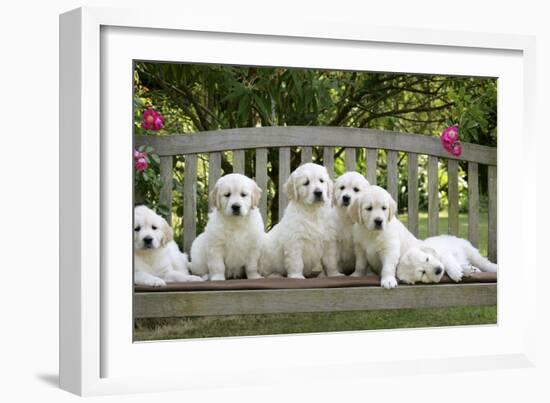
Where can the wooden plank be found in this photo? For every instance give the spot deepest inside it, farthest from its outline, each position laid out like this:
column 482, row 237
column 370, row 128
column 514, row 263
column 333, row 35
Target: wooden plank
column 492, row 193
column 328, row 160
column 433, row 196
column 238, row 161
column 372, row 161
column 297, row 136
column 350, row 159
column 205, row 303
column 284, row 173
column 452, row 196
column 473, row 203
column 189, row 201
column 261, row 180
column 392, row 173
column 214, row 172
column 166, row 180
column 412, row 184
column 306, row 154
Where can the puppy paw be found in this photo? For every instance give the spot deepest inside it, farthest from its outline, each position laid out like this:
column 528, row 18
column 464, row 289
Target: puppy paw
column 194, row 278
column 254, row 276
column 298, row 276
column 217, row 277
column 336, row 274
column 155, row 282
column 388, row 282
column 357, row 274
column 455, row 275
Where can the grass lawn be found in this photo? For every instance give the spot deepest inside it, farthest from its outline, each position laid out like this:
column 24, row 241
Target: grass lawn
column 247, row 325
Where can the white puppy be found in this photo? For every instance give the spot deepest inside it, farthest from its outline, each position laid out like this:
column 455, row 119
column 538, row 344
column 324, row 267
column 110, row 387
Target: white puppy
column 347, row 188
column 157, row 259
column 379, row 238
column 230, row 245
column 303, row 241
column 457, row 256
column 420, row 264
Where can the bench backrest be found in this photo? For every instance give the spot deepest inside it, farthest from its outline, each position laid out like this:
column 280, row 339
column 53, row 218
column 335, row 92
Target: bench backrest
column 261, row 139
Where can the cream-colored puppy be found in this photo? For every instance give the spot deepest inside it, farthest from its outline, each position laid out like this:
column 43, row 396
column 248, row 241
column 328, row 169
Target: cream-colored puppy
column 157, row 259
column 458, row 258
column 347, row 188
column 379, row 237
column 230, row 245
column 303, row 240
column 420, row 264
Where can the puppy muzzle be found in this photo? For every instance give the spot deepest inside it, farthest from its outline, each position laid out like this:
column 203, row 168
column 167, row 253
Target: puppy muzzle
column 318, row 194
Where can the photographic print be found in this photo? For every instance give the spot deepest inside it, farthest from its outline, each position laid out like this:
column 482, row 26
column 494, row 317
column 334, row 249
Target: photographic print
column 275, row 200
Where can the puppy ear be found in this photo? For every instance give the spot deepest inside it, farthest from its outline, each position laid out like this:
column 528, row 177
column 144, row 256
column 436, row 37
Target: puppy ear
column 392, row 210
column 290, row 188
column 213, row 197
column 256, row 195
column 167, row 233
column 354, row 212
column 429, row 250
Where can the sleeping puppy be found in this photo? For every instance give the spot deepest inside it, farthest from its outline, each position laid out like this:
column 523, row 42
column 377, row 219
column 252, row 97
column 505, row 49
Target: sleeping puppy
column 157, row 259
column 420, row 264
column 379, row 238
column 347, row 188
column 303, row 241
column 230, row 245
column 457, row 257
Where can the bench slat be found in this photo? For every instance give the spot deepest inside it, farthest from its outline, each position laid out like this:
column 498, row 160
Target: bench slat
column 166, row 180
column 214, row 172
column 473, row 203
column 284, row 173
column 261, row 180
column 392, row 173
column 433, row 196
column 297, row 136
column 328, row 160
column 206, row 303
column 412, row 184
column 492, row 193
column 306, row 154
column 350, row 159
column 452, row 196
column 189, row 201
column 372, row 160
column 238, row 161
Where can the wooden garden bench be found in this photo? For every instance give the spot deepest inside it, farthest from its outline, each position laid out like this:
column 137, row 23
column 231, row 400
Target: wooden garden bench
column 321, row 294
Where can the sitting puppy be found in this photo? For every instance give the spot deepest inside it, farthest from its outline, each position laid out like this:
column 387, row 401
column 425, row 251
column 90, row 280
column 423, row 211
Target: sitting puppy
column 157, row 259
column 300, row 244
column 457, row 256
column 379, row 238
column 230, row 245
column 347, row 188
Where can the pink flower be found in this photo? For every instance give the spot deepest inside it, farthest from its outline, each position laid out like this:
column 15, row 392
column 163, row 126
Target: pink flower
column 141, row 164
column 449, row 141
column 138, row 155
column 152, row 120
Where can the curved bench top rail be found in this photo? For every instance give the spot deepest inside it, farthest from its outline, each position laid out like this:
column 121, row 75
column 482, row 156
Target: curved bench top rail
column 289, row 136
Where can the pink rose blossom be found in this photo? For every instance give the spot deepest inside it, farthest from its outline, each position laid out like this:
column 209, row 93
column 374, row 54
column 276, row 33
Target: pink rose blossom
column 152, row 120
column 141, row 164
column 449, row 141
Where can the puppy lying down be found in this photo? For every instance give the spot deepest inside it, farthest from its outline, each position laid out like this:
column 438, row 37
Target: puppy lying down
column 157, row 258
column 455, row 256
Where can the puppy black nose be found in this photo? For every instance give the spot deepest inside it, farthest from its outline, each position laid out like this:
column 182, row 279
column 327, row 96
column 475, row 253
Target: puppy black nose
column 438, row 271
column 147, row 240
column 346, row 199
column 318, row 193
column 378, row 222
column 236, row 208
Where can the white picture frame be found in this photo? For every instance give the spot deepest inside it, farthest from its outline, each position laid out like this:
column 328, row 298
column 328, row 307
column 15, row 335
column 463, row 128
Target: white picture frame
column 96, row 355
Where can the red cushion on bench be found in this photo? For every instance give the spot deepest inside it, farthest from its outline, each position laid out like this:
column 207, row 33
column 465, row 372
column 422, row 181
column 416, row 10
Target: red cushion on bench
column 288, row 283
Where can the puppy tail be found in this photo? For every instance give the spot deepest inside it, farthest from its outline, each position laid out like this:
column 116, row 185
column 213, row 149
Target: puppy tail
column 479, row 261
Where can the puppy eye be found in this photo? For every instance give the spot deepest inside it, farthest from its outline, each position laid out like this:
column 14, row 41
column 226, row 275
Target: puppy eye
column 355, row 190
column 307, row 183
column 154, row 227
column 227, row 194
column 137, row 228
column 243, row 194
column 384, row 208
column 369, row 208
column 342, row 187
column 427, row 259
column 321, row 180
